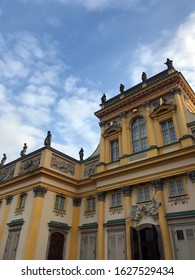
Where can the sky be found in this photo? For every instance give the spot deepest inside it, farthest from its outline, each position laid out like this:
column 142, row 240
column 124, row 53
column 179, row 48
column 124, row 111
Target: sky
column 58, row 57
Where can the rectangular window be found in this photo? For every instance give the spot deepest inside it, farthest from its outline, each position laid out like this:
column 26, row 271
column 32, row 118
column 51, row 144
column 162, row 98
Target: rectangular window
column 60, row 203
column 116, row 246
column 116, row 199
column 22, row 200
column 143, row 194
column 90, row 204
column 168, row 132
column 114, row 149
column 176, row 188
column 88, row 246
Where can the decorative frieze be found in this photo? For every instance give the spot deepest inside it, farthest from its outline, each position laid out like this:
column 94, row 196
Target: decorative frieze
column 143, row 210
column 30, row 164
column 90, row 168
column 62, row 165
column 101, row 196
column 7, row 173
column 39, row 191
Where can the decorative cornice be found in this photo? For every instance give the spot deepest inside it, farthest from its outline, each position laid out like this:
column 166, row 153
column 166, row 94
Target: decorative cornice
column 39, row 191
column 76, row 201
column 101, row 196
column 158, row 184
column 127, row 190
column 139, row 96
column 191, row 175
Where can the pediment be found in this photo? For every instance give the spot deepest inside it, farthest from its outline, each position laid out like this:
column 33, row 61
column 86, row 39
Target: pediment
column 111, row 130
column 162, row 110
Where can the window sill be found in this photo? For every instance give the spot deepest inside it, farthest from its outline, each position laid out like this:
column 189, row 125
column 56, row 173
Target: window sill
column 116, row 210
column 179, row 199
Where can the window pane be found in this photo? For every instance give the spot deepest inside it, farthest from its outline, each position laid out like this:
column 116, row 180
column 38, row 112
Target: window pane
column 139, row 137
column 114, row 145
column 168, row 132
column 59, row 205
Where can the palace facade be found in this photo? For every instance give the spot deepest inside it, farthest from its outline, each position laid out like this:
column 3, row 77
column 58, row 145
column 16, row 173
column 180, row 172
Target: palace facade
column 133, row 198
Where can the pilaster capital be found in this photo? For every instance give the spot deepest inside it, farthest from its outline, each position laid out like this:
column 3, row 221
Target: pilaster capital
column 9, row 199
column 76, row 201
column 191, row 175
column 123, row 115
column 158, row 184
column 39, row 191
column 101, row 196
column 127, row 190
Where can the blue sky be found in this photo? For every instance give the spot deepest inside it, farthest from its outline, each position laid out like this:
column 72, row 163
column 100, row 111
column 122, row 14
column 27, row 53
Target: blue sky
column 57, row 58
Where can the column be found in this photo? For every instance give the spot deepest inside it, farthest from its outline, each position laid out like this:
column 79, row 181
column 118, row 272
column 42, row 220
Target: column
column 150, row 129
column 34, row 223
column 180, row 110
column 158, row 185
column 5, row 215
column 101, row 165
column 125, row 142
column 100, row 235
column 75, row 228
column 127, row 192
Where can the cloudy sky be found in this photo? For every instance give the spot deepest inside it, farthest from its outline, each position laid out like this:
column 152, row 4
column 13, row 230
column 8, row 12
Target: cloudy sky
column 57, row 58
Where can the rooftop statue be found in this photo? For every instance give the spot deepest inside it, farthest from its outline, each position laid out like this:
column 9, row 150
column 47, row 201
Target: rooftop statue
column 103, row 99
column 3, row 160
column 81, row 154
column 144, row 77
column 122, row 87
column 23, row 152
column 47, row 141
column 169, row 63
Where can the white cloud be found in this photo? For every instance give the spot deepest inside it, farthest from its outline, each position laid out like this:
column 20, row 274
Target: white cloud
column 179, row 48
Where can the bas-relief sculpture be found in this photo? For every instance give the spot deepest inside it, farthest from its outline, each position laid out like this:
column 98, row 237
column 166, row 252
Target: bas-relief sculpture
column 29, row 165
column 90, row 168
column 62, row 165
column 7, row 173
column 144, row 210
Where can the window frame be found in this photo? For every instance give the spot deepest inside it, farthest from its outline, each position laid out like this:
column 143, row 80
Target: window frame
column 175, row 180
column 59, row 198
column 145, row 199
column 21, row 201
column 114, row 150
column 116, row 199
column 141, row 134
column 168, row 131
column 92, row 207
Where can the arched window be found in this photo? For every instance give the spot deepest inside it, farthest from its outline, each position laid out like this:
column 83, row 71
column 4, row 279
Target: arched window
column 139, row 137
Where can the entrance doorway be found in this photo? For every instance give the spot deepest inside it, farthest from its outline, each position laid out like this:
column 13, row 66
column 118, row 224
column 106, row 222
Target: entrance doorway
column 144, row 243
column 56, row 246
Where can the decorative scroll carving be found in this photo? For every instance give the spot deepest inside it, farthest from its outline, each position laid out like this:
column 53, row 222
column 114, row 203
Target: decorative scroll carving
column 127, row 190
column 7, row 173
column 101, row 196
column 62, row 165
column 8, row 199
column 30, row 164
column 158, row 184
column 116, row 210
column 191, row 175
column 144, row 210
column 39, row 191
column 77, row 201
column 90, row 168
column 178, row 200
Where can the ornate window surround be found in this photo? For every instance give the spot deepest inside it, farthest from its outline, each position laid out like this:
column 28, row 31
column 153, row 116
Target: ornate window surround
column 178, row 199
